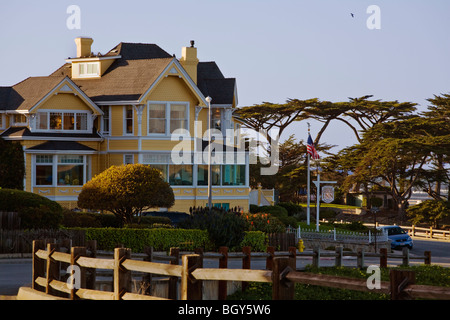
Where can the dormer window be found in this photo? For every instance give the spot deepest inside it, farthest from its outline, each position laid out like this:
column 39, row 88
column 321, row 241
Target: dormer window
column 89, row 69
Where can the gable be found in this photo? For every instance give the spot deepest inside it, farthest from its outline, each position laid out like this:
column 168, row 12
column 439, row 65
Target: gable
column 173, row 84
column 66, row 95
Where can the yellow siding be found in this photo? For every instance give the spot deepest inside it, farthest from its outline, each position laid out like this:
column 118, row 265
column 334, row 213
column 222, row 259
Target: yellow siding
column 116, row 120
column 123, row 144
column 65, row 101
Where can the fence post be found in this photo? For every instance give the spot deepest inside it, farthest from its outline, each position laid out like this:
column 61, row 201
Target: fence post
column 293, row 256
column 173, row 281
column 75, row 253
column 53, row 271
column 269, row 260
column 246, row 261
column 38, row 265
column 282, row 288
column 427, row 259
column 405, row 259
column 399, row 279
column 147, row 277
column 122, row 276
column 223, row 264
column 316, row 258
column 383, row 257
column 91, row 273
column 191, row 289
column 360, row 258
column 339, row 253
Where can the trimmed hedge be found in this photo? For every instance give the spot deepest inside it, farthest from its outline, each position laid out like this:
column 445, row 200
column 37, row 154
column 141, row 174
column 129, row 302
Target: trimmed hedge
column 162, row 239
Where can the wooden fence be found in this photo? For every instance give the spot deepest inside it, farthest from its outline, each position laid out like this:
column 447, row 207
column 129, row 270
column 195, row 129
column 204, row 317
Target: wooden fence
column 280, row 271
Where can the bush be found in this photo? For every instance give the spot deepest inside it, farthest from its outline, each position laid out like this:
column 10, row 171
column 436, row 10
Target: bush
column 280, row 213
column 161, row 239
column 264, row 222
column 292, row 208
column 106, row 220
column 257, row 240
column 224, row 228
column 35, row 211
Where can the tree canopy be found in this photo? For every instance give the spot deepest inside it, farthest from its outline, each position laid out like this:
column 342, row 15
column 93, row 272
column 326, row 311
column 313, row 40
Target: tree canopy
column 126, row 191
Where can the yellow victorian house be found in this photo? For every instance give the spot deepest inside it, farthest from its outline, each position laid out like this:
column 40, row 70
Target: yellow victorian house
column 134, row 104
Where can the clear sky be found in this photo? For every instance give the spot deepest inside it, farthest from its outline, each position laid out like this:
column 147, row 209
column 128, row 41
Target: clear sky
column 276, row 49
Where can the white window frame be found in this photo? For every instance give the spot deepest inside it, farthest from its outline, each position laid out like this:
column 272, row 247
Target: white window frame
column 125, row 158
column 54, row 165
column 106, row 133
column 168, row 118
column 62, row 111
column 19, row 123
column 85, row 66
column 125, row 120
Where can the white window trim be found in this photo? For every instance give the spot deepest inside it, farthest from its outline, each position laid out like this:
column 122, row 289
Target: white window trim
column 62, row 111
column 88, row 75
column 86, row 171
column 167, row 110
column 125, row 121
column 18, row 124
column 109, row 123
column 125, row 157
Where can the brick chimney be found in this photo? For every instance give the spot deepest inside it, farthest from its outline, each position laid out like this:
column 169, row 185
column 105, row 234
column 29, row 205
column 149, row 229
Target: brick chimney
column 189, row 60
column 83, row 47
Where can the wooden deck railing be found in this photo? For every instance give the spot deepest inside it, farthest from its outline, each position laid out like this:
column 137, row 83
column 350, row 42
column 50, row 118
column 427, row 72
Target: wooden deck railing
column 281, row 273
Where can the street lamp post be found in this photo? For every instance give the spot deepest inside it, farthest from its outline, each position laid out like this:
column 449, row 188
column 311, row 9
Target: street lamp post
column 208, row 99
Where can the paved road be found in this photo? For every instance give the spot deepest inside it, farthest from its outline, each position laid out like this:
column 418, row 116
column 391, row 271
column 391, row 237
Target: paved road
column 15, row 273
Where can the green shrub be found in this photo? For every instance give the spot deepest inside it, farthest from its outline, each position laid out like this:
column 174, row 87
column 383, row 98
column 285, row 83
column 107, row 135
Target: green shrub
column 161, row 239
column 35, row 211
column 280, row 213
column 257, row 240
column 264, row 222
column 292, row 208
column 224, row 228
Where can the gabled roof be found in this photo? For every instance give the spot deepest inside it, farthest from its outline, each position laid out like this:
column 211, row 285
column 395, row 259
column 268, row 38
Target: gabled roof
column 127, row 79
column 211, row 82
column 24, row 95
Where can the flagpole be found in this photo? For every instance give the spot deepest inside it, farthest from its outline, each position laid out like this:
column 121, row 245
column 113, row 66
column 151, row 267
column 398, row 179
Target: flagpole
column 308, row 188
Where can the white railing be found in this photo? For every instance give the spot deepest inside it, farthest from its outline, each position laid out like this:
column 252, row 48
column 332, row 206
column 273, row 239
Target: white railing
column 337, row 235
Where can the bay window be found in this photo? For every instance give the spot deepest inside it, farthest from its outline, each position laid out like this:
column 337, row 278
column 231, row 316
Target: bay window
column 60, row 170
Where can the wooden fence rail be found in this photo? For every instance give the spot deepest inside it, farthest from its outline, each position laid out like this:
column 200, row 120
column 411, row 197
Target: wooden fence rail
column 282, row 274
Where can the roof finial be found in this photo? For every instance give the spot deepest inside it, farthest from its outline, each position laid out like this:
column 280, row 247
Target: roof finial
column 192, row 43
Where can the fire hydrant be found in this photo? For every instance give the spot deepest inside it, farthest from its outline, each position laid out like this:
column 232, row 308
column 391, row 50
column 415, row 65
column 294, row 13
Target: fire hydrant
column 301, row 246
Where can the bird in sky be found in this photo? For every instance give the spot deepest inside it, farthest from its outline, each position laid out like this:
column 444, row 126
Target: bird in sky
column 352, row 15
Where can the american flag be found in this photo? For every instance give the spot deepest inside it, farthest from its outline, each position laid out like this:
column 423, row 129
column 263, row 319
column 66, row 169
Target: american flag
column 311, row 149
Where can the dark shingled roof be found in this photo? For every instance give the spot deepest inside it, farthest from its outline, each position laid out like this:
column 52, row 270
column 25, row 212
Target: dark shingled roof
column 61, row 145
column 24, row 132
column 211, row 82
column 126, row 79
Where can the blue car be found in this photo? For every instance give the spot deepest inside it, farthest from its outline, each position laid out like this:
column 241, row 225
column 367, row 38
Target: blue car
column 399, row 238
